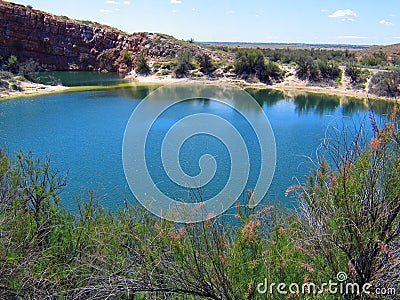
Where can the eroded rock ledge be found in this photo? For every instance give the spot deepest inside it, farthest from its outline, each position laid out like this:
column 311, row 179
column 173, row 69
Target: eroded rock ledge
column 60, row 43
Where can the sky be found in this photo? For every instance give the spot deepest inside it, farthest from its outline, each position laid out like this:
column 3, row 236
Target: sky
column 359, row 22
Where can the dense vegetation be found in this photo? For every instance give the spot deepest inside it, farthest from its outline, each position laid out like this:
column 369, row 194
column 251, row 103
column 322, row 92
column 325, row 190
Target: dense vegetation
column 292, row 56
column 141, row 65
column 358, row 76
column 386, row 84
column 348, row 222
column 252, row 63
column 26, row 68
column 319, row 66
column 184, row 63
column 377, row 72
column 206, row 64
column 318, row 71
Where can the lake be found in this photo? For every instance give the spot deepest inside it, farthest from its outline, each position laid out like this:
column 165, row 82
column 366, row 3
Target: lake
column 83, row 132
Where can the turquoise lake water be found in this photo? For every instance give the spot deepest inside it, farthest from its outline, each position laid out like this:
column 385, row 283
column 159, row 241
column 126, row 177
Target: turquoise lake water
column 82, row 133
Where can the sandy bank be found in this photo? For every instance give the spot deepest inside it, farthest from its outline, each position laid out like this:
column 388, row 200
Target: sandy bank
column 27, row 89
column 291, row 86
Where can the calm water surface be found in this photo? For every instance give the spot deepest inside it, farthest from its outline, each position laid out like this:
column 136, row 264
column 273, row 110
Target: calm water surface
column 83, row 133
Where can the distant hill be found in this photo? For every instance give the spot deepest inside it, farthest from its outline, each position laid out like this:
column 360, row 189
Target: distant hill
column 390, row 50
column 284, row 45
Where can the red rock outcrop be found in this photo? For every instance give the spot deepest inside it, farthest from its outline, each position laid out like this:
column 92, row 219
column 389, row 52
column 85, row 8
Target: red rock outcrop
column 59, row 43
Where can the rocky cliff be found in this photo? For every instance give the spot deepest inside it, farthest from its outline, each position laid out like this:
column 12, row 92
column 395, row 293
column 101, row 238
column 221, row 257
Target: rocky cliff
column 59, row 43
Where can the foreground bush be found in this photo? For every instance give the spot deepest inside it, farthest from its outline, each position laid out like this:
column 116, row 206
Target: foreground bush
column 350, row 209
column 46, row 252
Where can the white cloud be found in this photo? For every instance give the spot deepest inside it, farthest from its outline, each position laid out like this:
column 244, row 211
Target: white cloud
column 127, row 2
column 117, row 9
column 344, row 14
column 230, row 12
column 105, row 10
column 392, row 15
column 176, row 1
column 355, row 37
column 193, row 9
column 385, row 23
column 113, row 2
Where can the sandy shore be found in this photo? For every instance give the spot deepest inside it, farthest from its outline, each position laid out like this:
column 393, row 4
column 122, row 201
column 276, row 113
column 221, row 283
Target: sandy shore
column 291, row 86
column 27, row 89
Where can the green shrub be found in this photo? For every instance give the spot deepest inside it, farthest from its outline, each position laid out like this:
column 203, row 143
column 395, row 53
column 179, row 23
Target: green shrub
column 184, row 63
column 386, row 84
column 44, row 250
column 205, row 62
column 29, row 69
column 6, row 75
column 165, row 72
column 358, row 76
column 329, row 70
column 141, row 66
column 127, row 58
column 307, row 69
column 249, row 63
column 271, row 72
column 252, row 63
column 12, row 64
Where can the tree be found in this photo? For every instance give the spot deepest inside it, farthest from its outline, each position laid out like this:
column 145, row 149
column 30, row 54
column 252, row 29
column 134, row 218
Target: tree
column 206, row 64
column 329, row 70
column 249, row 63
column 127, row 58
column 271, row 72
column 12, row 64
column 141, row 66
column 350, row 208
column 307, row 69
column 184, row 63
column 357, row 76
column 252, row 63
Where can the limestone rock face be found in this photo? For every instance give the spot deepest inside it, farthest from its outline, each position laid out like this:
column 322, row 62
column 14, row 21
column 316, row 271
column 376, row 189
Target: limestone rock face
column 59, row 43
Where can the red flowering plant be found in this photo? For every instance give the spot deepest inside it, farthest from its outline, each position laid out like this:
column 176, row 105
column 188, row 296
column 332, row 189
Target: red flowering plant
column 350, row 208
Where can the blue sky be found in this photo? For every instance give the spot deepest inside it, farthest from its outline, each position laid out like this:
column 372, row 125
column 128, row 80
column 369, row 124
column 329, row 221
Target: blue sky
column 308, row 21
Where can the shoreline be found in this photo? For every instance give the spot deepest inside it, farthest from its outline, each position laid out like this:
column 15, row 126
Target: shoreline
column 30, row 89
column 290, row 88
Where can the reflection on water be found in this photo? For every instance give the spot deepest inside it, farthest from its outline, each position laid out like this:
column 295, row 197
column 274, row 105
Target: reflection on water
column 353, row 105
column 81, row 78
column 266, row 96
column 382, row 107
column 319, row 104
